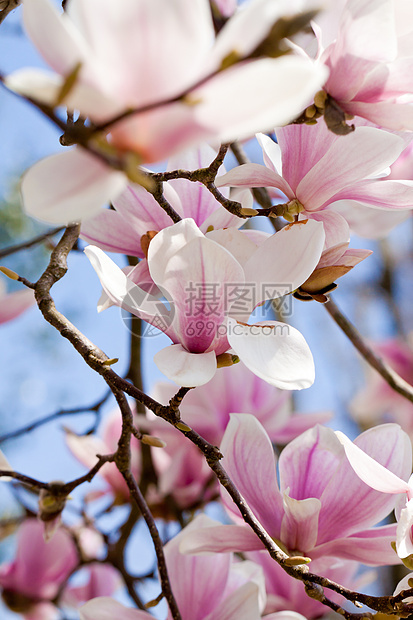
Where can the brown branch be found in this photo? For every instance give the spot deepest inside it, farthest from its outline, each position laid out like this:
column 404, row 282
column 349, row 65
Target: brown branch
column 395, row 381
column 31, row 242
column 123, row 463
column 53, row 416
column 6, row 7
column 96, row 359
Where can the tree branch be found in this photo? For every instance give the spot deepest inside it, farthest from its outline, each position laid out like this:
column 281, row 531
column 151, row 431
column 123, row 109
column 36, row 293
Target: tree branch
column 395, row 381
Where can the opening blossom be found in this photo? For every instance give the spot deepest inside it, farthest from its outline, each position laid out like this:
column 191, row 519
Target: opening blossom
column 370, row 58
column 161, row 59
column 320, row 507
column 181, row 261
column 322, row 175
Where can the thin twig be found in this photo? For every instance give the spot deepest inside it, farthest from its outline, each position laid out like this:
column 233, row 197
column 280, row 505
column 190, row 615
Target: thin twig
column 6, row 7
column 395, row 381
column 28, row 244
column 53, row 416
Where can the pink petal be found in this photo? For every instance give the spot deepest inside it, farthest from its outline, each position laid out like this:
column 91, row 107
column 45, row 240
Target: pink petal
column 240, row 605
column 184, row 368
column 69, row 187
column 250, row 462
column 299, row 527
column 254, row 175
column 167, row 41
column 236, row 242
column 14, row 304
column 122, row 291
column 221, row 539
column 365, row 152
column 381, row 194
column 198, row 581
column 389, row 114
column 112, row 233
column 371, row 547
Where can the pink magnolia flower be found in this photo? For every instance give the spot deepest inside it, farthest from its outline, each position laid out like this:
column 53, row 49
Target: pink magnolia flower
column 323, row 174
column 136, row 211
column 183, row 263
column 101, row 580
column 165, row 63
column 371, row 62
column 14, row 304
column 38, row 571
column 377, row 402
column 305, row 512
column 205, row 587
column 384, row 479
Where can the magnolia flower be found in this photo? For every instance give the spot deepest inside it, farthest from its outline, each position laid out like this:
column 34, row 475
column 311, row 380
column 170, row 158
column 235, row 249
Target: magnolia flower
column 136, row 211
column 371, row 62
column 305, row 513
column 205, row 587
column 161, row 60
column 324, row 174
column 377, row 402
column 210, row 291
column 34, row 578
column 382, row 478
column 14, row 304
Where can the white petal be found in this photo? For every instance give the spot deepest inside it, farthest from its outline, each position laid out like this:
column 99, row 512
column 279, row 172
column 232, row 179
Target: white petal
column 286, row 259
column 167, row 243
column 275, row 352
column 120, row 289
column 369, row 470
column 184, row 368
column 256, row 96
column 69, row 187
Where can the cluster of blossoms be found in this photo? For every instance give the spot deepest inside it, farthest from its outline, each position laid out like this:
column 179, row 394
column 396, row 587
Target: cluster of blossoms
column 146, row 80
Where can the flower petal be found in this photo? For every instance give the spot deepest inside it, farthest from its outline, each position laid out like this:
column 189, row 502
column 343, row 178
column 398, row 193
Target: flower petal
column 250, row 462
column 184, row 368
column 285, row 260
column 275, row 352
column 370, row 471
column 278, row 89
column 69, row 187
column 105, row 608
